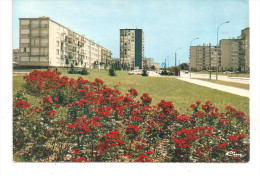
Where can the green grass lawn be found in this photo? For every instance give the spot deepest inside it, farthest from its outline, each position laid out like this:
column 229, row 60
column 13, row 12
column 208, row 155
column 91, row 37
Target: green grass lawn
column 181, row 93
column 233, row 84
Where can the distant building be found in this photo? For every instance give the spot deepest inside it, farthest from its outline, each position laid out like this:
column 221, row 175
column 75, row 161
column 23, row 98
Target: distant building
column 156, row 65
column 148, row 62
column 115, row 59
column 46, row 43
column 229, row 54
column 132, row 47
column 15, row 55
column 244, row 50
column 203, row 57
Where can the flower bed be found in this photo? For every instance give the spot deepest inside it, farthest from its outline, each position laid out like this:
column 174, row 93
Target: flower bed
column 82, row 121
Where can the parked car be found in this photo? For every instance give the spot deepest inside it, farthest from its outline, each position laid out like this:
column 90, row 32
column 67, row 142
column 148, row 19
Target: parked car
column 186, row 71
column 159, row 71
column 135, row 72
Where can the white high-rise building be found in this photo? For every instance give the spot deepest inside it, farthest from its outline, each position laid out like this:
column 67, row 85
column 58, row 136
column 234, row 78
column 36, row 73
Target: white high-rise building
column 47, row 43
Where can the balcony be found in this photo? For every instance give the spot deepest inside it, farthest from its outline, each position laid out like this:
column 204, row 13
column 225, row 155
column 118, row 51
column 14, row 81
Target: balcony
column 71, row 50
column 70, row 57
column 39, row 35
column 39, row 26
column 39, row 45
column 22, row 26
column 38, row 54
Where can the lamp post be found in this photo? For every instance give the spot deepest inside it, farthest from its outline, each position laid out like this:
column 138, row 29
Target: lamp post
column 175, row 55
column 190, row 61
column 219, row 48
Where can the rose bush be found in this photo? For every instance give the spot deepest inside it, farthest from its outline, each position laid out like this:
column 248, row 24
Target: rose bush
column 83, row 121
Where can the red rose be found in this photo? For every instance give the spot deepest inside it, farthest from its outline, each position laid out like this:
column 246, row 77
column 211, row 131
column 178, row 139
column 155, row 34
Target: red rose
column 55, row 99
column 76, row 150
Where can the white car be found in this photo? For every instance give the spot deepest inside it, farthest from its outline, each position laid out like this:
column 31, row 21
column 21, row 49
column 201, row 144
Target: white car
column 135, row 72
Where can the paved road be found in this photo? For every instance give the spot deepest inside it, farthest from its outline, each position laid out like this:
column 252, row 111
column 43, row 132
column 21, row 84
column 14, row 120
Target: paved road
column 241, row 80
column 229, row 89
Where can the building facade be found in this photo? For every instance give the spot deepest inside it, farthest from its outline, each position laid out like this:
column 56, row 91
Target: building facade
column 148, row 63
column 46, row 43
column 132, row 47
column 157, row 66
column 203, row 57
column 231, row 54
column 244, row 51
column 15, row 55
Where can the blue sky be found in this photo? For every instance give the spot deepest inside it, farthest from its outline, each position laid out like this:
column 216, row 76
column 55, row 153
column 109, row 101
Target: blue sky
column 167, row 24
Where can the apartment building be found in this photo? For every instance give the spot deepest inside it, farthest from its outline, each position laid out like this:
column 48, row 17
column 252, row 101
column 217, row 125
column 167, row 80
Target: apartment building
column 15, row 55
column 244, row 50
column 148, row 62
column 132, row 47
column 204, row 57
column 47, row 43
column 156, row 65
column 229, row 54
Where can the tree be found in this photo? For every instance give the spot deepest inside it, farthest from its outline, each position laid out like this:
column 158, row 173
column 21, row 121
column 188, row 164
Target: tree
column 153, row 67
column 67, row 63
column 184, row 66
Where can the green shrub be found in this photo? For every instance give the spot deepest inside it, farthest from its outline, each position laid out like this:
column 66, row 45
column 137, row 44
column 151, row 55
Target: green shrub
column 72, row 70
column 145, row 73
column 165, row 72
column 84, row 71
column 112, row 72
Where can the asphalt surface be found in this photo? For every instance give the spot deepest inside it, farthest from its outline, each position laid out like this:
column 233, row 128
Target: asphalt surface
column 241, row 80
column 224, row 88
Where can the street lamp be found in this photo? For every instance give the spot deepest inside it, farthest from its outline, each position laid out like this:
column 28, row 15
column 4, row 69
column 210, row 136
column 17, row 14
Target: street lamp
column 190, row 46
column 218, row 47
column 175, row 54
column 167, row 58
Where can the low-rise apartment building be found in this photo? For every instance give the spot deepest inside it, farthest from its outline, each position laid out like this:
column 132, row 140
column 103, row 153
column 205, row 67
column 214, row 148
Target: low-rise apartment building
column 47, row 43
column 148, row 63
column 156, row 65
column 15, row 55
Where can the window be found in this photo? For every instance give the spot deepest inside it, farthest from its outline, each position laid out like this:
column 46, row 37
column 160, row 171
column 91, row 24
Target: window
column 23, row 50
column 24, row 59
column 57, row 52
column 57, row 43
column 25, row 31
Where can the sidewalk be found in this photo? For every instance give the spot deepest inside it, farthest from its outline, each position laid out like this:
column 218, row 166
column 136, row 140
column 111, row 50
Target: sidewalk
column 241, row 80
column 229, row 89
column 20, row 73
